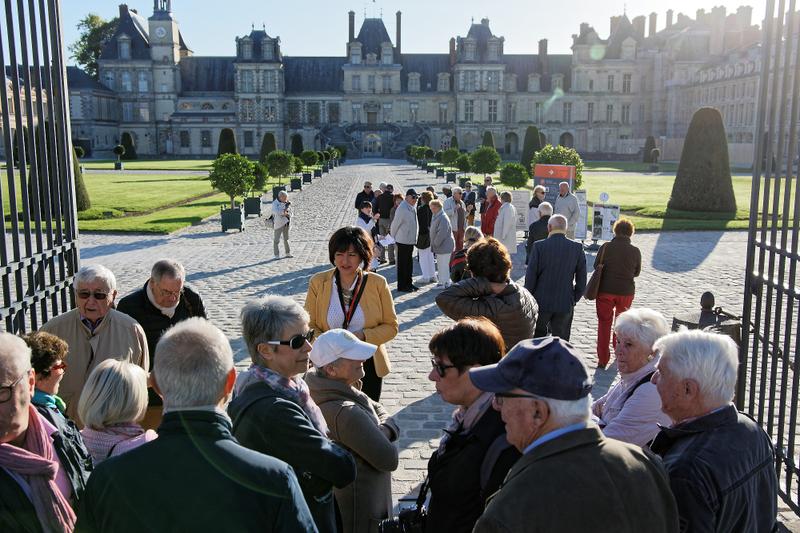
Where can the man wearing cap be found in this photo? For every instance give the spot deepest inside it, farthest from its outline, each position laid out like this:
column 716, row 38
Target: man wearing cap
column 360, row 424
column 365, row 196
column 404, row 229
column 570, row 477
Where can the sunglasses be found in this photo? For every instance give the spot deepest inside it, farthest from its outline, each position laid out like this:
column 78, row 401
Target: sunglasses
column 84, row 295
column 60, row 366
column 498, row 396
column 440, row 368
column 297, row 341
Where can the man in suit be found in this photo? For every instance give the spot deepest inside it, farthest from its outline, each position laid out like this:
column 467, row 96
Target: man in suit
column 556, row 277
column 195, row 476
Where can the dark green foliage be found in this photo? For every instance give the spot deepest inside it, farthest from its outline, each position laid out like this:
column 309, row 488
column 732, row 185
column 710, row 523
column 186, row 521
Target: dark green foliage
column 119, row 151
column 649, row 145
column 429, row 153
column 561, row 155
column 542, row 140
column 438, row 156
column 454, row 142
column 130, row 149
column 80, row 152
column 484, row 160
column 267, row 146
column 309, row 157
column 529, row 147
column 232, row 174
column 410, row 150
column 227, row 142
column 323, row 156
column 449, row 156
column 82, row 201
column 297, row 165
column 418, row 152
column 94, row 33
column 514, row 175
column 261, row 172
column 488, row 139
column 704, row 181
column 342, row 149
column 297, row 145
column 463, row 163
column 280, row 164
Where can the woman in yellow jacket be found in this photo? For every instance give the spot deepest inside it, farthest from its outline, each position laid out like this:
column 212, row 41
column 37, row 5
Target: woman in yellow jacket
column 351, row 298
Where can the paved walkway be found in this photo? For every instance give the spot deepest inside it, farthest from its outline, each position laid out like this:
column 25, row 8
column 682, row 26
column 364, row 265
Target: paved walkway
column 229, row 269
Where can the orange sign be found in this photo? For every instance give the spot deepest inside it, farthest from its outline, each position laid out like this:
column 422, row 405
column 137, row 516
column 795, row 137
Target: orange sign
column 562, row 172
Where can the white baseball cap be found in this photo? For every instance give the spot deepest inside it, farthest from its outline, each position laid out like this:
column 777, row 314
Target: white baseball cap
column 339, row 344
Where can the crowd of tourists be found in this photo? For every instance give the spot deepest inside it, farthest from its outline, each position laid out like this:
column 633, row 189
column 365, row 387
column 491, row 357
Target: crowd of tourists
column 129, row 415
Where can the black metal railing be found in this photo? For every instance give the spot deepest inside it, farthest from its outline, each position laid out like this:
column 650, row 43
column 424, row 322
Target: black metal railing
column 769, row 381
column 38, row 254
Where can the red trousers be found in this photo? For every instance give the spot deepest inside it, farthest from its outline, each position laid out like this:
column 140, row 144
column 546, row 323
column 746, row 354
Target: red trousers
column 608, row 307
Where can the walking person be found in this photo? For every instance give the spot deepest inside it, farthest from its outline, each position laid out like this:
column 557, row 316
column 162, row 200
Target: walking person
column 404, row 230
column 426, row 260
column 505, row 227
column 442, row 242
column 280, row 216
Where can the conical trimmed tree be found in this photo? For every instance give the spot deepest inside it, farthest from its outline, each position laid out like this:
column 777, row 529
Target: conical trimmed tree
column 488, row 139
column 130, row 148
column 704, row 181
column 649, row 145
column 529, row 147
column 454, row 142
column 267, row 146
column 297, row 145
column 82, row 201
column 227, row 142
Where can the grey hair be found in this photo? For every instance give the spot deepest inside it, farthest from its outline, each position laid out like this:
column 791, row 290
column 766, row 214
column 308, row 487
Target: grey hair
column 643, row 324
column 545, row 208
column 505, row 196
column 192, row 362
column 167, row 267
column 564, row 183
column 436, row 203
column 458, row 190
column 282, row 194
column 266, row 319
column 90, row 273
column 472, row 233
column 491, row 189
column 115, row 393
column 558, row 222
column 539, row 188
column 710, row 359
column 567, row 412
column 15, row 354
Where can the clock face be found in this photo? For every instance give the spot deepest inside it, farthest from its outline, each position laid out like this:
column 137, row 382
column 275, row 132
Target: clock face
column 160, row 32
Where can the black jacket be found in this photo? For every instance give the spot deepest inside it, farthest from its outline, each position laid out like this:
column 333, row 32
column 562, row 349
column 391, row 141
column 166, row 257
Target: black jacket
column 266, row 421
column 193, row 477
column 16, row 509
column 364, row 197
column 457, row 497
column 536, row 232
column 553, row 265
column 722, row 472
column 385, row 205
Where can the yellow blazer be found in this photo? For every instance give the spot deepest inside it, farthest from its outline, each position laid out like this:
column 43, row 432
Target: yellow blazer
column 380, row 320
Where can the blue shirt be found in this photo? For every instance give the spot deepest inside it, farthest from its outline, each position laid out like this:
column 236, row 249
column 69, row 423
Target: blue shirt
column 554, row 435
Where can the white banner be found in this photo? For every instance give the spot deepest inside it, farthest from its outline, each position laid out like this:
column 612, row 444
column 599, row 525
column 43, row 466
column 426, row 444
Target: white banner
column 520, row 201
column 580, row 229
column 603, row 221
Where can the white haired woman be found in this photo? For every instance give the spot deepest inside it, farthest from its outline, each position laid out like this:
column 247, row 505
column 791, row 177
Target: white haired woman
column 111, row 405
column 631, row 409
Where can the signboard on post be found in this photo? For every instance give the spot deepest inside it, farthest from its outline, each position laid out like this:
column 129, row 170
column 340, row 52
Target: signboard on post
column 520, row 201
column 603, row 221
column 549, row 176
column 580, row 229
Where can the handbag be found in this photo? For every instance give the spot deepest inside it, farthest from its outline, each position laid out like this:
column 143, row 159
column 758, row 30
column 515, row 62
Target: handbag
column 593, row 287
column 410, row 520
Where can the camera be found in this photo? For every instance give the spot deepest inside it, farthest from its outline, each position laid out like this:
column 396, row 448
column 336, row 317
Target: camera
column 288, row 204
column 409, row 521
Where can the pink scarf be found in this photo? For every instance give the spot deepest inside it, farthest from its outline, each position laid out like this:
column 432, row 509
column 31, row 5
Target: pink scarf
column 37, row 464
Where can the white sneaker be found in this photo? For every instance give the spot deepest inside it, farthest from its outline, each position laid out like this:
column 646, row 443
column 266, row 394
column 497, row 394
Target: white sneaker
column 289, row 255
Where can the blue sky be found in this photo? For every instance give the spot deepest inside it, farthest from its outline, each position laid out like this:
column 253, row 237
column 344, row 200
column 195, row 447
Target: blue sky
column 320, row 27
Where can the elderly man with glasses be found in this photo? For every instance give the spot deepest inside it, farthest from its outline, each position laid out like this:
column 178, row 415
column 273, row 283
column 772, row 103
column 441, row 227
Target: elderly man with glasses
column 94, row 332
column 163, row 301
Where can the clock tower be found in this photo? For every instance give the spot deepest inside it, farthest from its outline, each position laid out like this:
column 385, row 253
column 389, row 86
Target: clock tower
column 165, row 51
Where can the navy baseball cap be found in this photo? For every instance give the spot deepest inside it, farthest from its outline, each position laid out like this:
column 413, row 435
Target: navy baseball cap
column 412, row 193
column 548, row 366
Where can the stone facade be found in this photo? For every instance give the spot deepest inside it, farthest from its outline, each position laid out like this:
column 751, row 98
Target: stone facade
column 604, row 98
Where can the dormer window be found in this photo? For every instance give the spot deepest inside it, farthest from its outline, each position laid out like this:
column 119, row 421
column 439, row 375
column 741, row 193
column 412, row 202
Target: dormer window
column 246, row 48
column 372, row 59
column 413, row 82
column 355, row 53
column 387, row 54
column 443, row 82
column 534, row 83
column 124, row 44
column 267, row 48
column 494, row 49
column 469, row 51
column 558, row 82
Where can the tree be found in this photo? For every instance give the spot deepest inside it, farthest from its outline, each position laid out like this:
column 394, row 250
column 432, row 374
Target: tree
column 119, row 151
column 429, row 153
column 267, row 146
column 703, row 182
column 82, row 200
column 94, row 33
column 410, row 150
column 309, row 158
column 485, row 160
column 418, row 152
column 649, row 145
column 297, row 145
column 529, row 147
column 232, row 174
column 449, row 156
column 280, row 164
column 297, row 165
column 488, row 139
column 438, row 156
column 463, row 163
column 342, row 149
column 514, row 175
column 227, row 142
column 130, row 148
column 261, row 172
column 561, row 155
column 454, row 142
column 79, row 151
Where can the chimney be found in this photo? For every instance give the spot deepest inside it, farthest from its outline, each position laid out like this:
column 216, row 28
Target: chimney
column 745, row 16
column 452, row 51
column 397, row 40
column 351, row 32
column 543, row 56
column 653, row 22
column 638, row 26
column 123, row 10
column 669, row 18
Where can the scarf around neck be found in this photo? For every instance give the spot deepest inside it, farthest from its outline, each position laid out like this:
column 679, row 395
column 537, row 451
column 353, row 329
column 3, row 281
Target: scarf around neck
column 366, row 218
column 294, row 388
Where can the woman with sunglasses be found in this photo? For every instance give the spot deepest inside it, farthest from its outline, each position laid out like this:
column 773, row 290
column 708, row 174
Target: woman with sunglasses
column 349, row 297
column 273, row 412
column 473, row 456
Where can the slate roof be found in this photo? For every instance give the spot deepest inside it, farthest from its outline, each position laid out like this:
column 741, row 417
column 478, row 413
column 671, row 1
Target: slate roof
column 371, row 36
column 614, row 44
column 313, row 74
column 78, row 79
column 525, row 64
column 207, row 74
column 134, row 26
column 257, row 37
column 428, row 65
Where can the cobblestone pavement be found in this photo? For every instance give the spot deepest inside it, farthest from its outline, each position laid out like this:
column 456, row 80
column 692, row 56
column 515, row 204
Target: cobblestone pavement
column 229, row 269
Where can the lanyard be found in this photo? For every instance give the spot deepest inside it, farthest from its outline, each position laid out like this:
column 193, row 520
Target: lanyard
column 351, row 309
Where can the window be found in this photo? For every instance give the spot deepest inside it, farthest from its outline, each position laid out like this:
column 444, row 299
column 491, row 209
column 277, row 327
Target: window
column 387, row 83
column 124, row 49
column 108, row 80
column 163, row 87
column 537, row 112
column 247, row 50
column 333, row 112
column 186, row 139
column 611, row 83
column 357, row 83
column 626, row 83
column 371, row 83
column 492, row 110
column 609, row 113
column 558, row 83
column 493, row 81
column 248, row 139
column 443, row 113
column 470, row 81
column 470, row 51
column 357, row 113
column 626, row 114
column 387, row 112
column 248, row 111
column 591, row 85
column 293, row 112
column 355, row 57
column 443, row 83
column 205, row 138
column 469, row 110
column 313, row 111
column 143, row 112
column 413, row 108
column 413, row 82
column 271, row 81
column 511, row 112
column 126, row 81
column 270, row 112
column 127, row 111
column 143, row 82
column 246, row 82
column 566, row 113
column 590, row 113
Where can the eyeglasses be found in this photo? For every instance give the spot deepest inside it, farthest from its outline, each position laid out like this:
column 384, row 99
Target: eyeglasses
column 60, row 366
column 84, row 295
column 7, row 390
column 297, row 341
column 174, row 294
column 498, row 396
column 440, row 368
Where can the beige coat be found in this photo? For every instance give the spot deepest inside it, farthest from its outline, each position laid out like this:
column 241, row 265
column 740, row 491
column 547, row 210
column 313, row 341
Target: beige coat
column 354, row 421
column 117, row 337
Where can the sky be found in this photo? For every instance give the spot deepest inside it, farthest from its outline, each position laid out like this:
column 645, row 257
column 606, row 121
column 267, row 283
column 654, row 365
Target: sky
column 319, row 27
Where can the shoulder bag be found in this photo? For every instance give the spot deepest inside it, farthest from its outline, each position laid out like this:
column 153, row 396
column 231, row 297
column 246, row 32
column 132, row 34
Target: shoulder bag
column 593, row 287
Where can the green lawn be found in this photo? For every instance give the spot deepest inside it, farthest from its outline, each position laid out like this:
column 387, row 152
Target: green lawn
column 626, row 166
column 150, row 164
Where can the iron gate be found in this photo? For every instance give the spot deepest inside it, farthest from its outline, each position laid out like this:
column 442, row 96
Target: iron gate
column 39, row 252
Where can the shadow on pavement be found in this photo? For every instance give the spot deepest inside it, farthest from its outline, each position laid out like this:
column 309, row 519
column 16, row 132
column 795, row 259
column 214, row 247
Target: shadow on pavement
column 91, row 252
column 672, row 255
